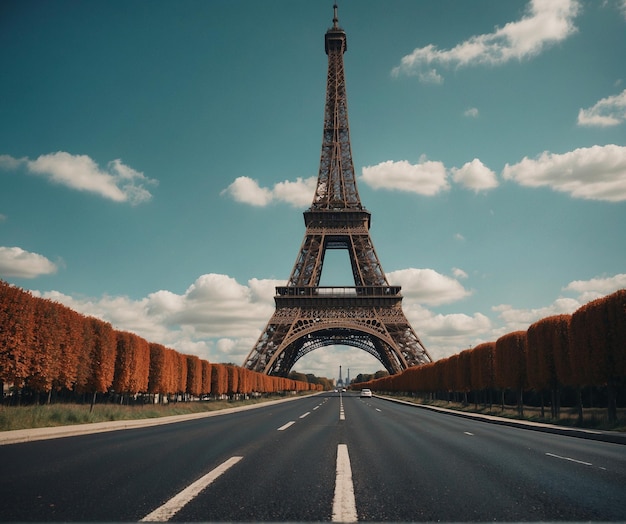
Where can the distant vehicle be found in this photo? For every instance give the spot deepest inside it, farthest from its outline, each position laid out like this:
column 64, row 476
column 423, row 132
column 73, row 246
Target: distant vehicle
column 366, row 393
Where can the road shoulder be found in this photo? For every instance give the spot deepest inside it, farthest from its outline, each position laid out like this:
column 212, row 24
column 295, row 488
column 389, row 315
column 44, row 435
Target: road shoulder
column 615, row 437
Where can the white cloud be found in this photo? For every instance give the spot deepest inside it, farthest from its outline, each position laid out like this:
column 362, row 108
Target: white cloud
column 594, row 173
column 248, row 191
column 298, row 194
column 8, row 163
column 430, row 77
column 547, row 22
column 425, row 178
column 459, row 273
column 212, row 309
column 475, row 175
column 458, row 325
column 520, row 319
column 596, row 287
column 445, row 335
column 426, row 286
column 15, row 262
column 609, row 111
column 586, row 291
column 118, row 182
column 472, row 112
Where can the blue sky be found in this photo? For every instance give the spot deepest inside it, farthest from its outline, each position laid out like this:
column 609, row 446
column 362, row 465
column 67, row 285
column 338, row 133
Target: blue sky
column 156, row 158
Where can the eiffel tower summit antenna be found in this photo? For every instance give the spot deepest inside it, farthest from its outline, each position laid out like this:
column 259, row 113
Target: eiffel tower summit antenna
column 368, row 314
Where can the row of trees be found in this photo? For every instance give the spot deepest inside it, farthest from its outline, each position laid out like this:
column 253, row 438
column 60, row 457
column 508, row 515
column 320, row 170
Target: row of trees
column 325, row 383
column 587, row 348
column 46, row 347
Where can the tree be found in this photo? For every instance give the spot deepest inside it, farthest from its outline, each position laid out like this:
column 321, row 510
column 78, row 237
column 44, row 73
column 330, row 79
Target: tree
column 540, row 364
column 158, row 380
column 71, row 348
column 294, row 375
column 121, row 378
column 482, row 362
column 132, row 364
column 245, row 381
column 45, row 359
column 598, row 336
column 206, row 377
column 464, row 373
column 510, row 365
column 97, row 365
column 16, row 336
column 219, row 380
column 233, row 380
column 194, row 375
column 180, row 377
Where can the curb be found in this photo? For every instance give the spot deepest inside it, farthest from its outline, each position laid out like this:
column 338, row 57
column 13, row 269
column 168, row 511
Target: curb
column 18, row 436
column 613, row 437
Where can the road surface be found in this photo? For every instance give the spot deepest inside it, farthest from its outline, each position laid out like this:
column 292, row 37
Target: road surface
column 320, row 458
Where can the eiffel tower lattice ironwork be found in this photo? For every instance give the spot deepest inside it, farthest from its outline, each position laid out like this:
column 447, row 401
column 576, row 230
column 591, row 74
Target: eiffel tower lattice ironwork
column 308, row 316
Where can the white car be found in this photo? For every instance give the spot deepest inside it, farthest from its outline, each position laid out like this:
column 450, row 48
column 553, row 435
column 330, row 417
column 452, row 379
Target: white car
column 366, row 393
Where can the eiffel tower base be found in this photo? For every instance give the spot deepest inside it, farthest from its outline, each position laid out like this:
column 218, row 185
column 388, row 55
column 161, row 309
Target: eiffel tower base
column 368, row 317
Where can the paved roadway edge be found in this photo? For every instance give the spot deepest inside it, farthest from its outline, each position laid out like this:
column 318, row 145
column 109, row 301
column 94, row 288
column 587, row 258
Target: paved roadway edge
column 17, row 436
column 614, row 437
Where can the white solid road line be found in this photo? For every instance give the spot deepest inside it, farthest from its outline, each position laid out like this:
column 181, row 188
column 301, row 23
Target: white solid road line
column 344, row 505
column 176, row 503
column 283, row 428
column 569, row 459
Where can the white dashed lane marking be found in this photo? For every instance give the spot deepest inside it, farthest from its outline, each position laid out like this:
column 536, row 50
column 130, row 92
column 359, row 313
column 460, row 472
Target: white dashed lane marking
column 177, row 502
column 285, row 426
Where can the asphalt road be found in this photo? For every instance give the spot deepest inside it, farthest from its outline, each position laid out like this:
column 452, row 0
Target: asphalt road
column 320, row 458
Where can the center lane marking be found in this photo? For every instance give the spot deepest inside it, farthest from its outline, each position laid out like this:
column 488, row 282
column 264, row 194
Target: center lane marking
column 176, row 503
column 344, row 504
column 284, row 427
column 305, row 414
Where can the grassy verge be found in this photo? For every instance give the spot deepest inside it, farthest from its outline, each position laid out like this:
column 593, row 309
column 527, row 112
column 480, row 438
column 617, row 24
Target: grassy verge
column 594, row 418
column 51, row 415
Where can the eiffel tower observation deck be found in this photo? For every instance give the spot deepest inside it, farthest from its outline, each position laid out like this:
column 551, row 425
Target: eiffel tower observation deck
column 367, row 314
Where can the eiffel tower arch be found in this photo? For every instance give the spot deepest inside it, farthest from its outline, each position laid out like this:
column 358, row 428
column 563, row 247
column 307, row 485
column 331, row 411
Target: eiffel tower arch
column 368, row 314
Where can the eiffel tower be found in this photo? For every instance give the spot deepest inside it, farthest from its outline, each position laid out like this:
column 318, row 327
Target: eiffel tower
column 308, row 316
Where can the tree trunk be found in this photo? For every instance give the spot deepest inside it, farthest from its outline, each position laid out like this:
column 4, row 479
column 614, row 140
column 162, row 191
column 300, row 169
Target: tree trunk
column 93, row 401
column 579, row 402
column 611, row 401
